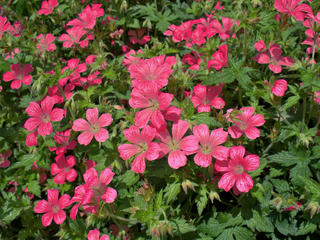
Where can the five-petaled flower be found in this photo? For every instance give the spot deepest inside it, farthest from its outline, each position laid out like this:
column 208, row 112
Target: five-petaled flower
column 53, row 208
column 42, row 116
column 233, row 170
column 63, row 169
column 94, row 235
column 142, row 147
column 18, row 76
column 93, row 128
column 4, row 162
column 47, row 7
column 246, row 123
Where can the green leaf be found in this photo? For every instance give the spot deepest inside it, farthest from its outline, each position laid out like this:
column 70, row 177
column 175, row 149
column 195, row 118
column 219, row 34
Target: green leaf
column 130, row 177
column 259, row 223
column 8, row 215
column 227, row 76
column 241, row 233
column 290, row 102
column 172, row 190
column 25, row 161
column 78, row 227
column 203, row 118
column 181, row 226
column 212, row 227
column 306, row 227
column 226, row 234
column 280, row 185
column 285, row 227
column 34, row 188
column 158, row 200
column 284, row 158
column 202, row 200
column 25, row 100
column 4, row 65
column 312, row 185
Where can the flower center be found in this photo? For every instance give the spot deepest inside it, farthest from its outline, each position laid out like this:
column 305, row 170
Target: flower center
column 1, row 159
column 239, row 169
column 206, row 149
column 55, row 208
column 94, row 128
column 243, row 126
column 66, row 169
column 143, row 146
column 150, row 77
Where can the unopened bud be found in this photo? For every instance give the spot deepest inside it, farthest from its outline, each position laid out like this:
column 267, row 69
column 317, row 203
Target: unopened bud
column 190, row 185
column 170, row 230
column 153, row 231
column 124, row 6
column 185, row 187
column 163, row 229
column 214, row 195
column 158, row 232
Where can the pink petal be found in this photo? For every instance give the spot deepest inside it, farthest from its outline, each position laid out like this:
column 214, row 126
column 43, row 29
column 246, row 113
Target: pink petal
column 189, row 144
column 47, row 219
column 45, row 129
column 244, row 182
column 109, row 195
column 92, row 116
column 227, row 181
column 71, row 176
column 105, row 120
column 128, row 150
column 59, row 217
column 139, row 165
column 57, row 115
column 85, row 138
column 106, row 176
column 177, row 159
column 81, row 125
column 102, row 135
column 203, row 160
column 133, row 134
column 251, row 162
column 220, row 152
column 235, row 131
column 42, row 207
column 153, row 151
column 179, row 129
column 252, row 132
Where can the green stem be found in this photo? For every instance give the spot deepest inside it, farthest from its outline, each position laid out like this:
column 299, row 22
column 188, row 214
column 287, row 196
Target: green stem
column 304, row 115
column 240, row 97
column 269, row 147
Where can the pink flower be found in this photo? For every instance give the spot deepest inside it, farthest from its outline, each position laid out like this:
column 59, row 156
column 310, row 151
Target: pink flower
column 95, row 7
column 209, row 145
column 260, row 46
column 176, row 147
column 274, row 58
column 152, row 100
column 205, row 97
column 220, row 58
column 4, row 26
column 90, row 59
column 233, row 170
column 76, row 68
column 56, row 94
column 74, row 35
column 31, row 139
column 142, row 147
column 43, row 116
column 130, row 60
column 194, row 60
column 218, row 6
column 137, row 36
column 94, row 235
column 198, row 36
column 17, row 29
column 11, row 54
column 83, row 194
column 247, row 123
column 4, row 162
column 53, row 208
column 88, row 20
column 279, row 87
column 150, row 70
column 99, row 184
column 292, row 9
column 47, row 7
column 93, row 128
column 224, row 32
column 63, row 169
column 18, row 76
column 46, row 43
column 62, row 138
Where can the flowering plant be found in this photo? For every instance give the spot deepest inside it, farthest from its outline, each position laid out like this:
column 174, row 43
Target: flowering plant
column 162, row 119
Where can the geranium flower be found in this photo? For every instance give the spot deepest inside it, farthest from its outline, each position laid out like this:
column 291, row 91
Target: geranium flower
column 279, row 87
column 4, row 162
column 292, row 9
column 31, row 139
column 273, row 58
column 18, row 76
column 95, row 7
column 247, row 123
column 56, row 94
column 42, row 116
column 53, row 208
column 63, row 169
column 220, row 58
column 209, row 145
column 76, row 68
column 99, row 184
column 82, row 194
column 45, row 43
column 233, row 170
column 74, row 35
column 148, row 71
column 62, row 138
column 47, row 7
column 153, row 101
column 137, row 36
column 198, row 36
column 4, row 26
column 227, row 23
column 177, row 147
column 94, row 235
column 130, row 60
column 142, row 147
column 93, row 128
column 194, row 60
column 205, row 97
column 88, row 20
